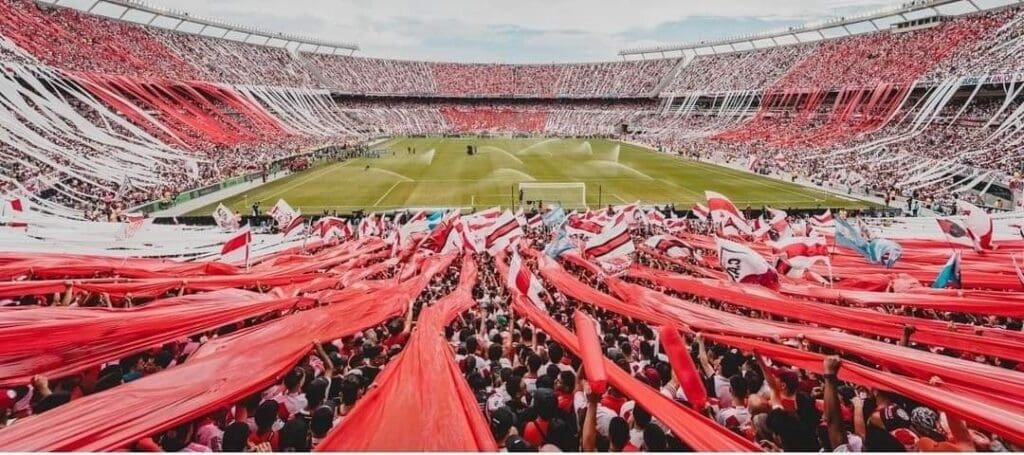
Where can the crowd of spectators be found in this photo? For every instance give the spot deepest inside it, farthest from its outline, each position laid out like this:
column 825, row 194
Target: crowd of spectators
column 537, row 397
column 993, row 53
column 474, row 79
column 734, row 71
column 849, row 88
column 537, row 80
column 635, row 78
column 972, row 45
column 895, row 58
column 234, row 62
column 69, row 39
column 535, row 394
column 495, row 120
column 373, row 75
column 958, row 137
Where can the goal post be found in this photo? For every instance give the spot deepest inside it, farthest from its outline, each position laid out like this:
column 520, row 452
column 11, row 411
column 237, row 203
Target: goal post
column 572, row 195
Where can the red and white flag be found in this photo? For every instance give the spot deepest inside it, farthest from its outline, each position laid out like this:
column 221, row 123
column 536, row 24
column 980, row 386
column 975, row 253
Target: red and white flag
column 721, row 208
column 132, row 224
column 979, row 224
column 296, row 225
column 456, row 238
column 760, row 227
column 11, row 207
column 442, row 235
column 802, row 252
column 224, row 218
column 505, row 231
column 825, row 219
column 236, row 248
column 521, row 218
column 655, row 218
column 396, row 242
column 473, row 239
column 744, row 265
column 675, row 224
column 956, row 232
column 629, row 212
column 370, row 226
column 780, row 222
column 578, row 225
column 669, row 246
column 481, row 221
column 521, row 279
column 332, row 227
column 611, row 244
column 701, row 212
column 730, row 228
column 282, row 213
column 535, row 222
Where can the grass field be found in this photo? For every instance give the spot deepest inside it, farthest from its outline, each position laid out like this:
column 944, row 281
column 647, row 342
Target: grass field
column 440, row 174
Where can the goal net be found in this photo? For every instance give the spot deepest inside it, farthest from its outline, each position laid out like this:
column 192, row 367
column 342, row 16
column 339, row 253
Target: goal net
column 568, row 195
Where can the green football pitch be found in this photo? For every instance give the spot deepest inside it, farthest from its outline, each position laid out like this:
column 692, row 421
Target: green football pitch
column 441, row 175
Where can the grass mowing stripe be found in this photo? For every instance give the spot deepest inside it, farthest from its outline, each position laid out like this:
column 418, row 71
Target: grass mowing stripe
column 448, row 177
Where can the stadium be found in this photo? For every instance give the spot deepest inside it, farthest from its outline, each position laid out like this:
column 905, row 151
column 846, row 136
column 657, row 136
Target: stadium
column 219, row 237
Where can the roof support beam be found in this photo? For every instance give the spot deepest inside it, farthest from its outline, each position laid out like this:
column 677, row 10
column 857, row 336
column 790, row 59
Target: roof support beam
column 817, row 28
column 182, row 18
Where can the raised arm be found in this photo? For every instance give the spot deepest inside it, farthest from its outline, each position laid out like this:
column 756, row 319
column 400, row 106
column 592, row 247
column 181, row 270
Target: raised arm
column 833, row 415
column 588, row 440
column 702, row 355
column 326, row 359
column 908, row 330
column 68, row 293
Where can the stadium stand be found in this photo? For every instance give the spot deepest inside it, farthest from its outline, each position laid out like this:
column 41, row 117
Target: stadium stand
column 738, row 70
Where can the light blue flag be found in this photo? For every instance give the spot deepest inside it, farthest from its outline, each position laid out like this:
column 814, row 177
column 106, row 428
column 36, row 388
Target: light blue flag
column 435, row 219
column 876, row 251
column 559, row 245
column 950, row 273
column 554, row 217
column 884, row 251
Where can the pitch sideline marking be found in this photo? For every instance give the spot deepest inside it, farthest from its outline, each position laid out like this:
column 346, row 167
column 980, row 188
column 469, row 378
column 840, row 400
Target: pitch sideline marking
column 757, row 180
column 303, row 180
column 386, row 194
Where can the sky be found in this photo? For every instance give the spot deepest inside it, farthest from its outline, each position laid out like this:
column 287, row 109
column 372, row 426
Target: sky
column 520, row 31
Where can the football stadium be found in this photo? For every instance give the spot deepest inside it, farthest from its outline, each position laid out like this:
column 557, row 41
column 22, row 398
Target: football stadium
column 217, row 236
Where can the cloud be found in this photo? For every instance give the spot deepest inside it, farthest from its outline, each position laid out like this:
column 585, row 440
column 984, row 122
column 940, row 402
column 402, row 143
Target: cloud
column 519, row 31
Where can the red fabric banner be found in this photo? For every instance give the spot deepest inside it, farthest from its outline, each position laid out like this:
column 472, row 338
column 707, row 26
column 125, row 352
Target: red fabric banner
column 694, row 429
column 921, row 364
column 85, row 337
column 977, row 409
column 220, row 372
column 683, row 367
column 591, row 352
column 422, row 392
column 854, row 319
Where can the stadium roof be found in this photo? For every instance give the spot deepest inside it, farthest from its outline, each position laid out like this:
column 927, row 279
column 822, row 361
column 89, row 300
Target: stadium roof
column 869, row 22
column 140, row 12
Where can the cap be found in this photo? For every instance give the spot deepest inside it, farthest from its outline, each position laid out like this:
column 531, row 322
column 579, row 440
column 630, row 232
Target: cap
column 652, row 376
column 502, row 419
column 894, row 417
column 518, row 444
column 924, row 421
